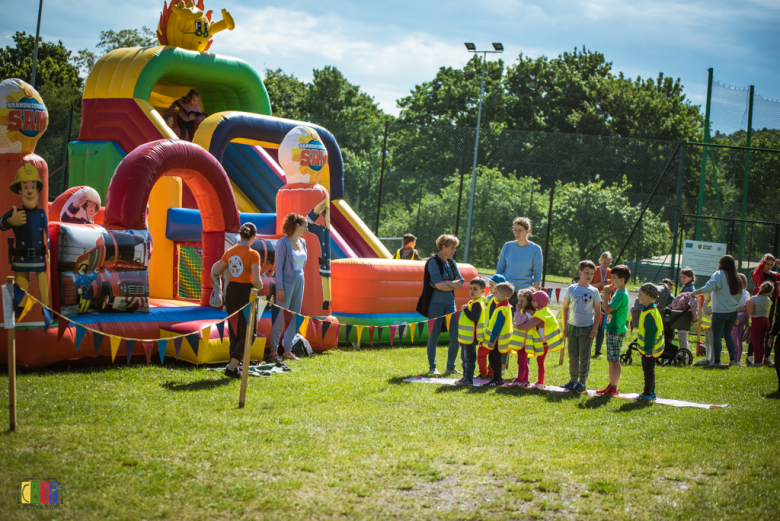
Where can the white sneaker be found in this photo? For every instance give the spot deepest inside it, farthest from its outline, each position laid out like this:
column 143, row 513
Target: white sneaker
column 434, row 372
column 750, row 359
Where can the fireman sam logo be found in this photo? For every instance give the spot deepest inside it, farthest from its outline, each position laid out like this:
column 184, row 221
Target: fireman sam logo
column 302, row 155
column 39, row 495
column 23, row 117
column 235, row 266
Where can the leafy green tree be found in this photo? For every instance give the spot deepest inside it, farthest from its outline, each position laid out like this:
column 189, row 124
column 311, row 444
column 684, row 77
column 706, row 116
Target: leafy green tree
column 110, row 40
column 53, row 67
column 287, row 93
column 331, row 97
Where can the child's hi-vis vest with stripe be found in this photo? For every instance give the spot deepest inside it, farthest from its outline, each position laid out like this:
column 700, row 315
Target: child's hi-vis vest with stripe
column 505, row 335
column 466, row 327
column 523, row 340
column 658, row 342
column 552, row 332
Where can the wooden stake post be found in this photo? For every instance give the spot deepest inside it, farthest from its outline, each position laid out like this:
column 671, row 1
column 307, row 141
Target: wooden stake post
column 698, row 327
column 250, row 328
column 11, row 363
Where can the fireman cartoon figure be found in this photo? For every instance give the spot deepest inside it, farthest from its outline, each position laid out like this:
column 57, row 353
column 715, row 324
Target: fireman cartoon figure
column 29, row 253
column 322, row 232
column 81, row 207
column 84, row 281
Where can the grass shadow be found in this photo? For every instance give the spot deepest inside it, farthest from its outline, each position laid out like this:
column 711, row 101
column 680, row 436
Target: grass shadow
column 633, row 406
column 594, row 402
column 774, row 395
column 560, row 397
column 400, row 379
column 451, row 388
column 200, row 385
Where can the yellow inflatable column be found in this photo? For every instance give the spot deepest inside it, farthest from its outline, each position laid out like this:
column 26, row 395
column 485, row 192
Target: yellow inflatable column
column 166, row 193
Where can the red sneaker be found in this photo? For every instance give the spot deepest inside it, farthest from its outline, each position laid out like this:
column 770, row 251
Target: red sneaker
column 610, row 391
column 604, row 391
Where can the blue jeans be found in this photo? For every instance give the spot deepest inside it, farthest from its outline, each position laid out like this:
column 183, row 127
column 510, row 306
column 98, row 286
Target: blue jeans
column 437, row 310
column 722, row 324
column 293, row 299
column 468, row 355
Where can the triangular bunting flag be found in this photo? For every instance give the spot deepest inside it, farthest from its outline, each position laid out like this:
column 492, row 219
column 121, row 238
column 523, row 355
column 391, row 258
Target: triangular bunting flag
column 355, row 345
column 80, row 332
column 28, row 304
column 288, row 317
column 221, row 330
column 147, row 351
column 392, row 335
column 359, row 334
column 246, row 310
column 193, row 340
column 162, row 345
column 557, row 294
column 549, row 293
column 205, row 335
column 448, row 319
column 325, row 326
column 412, row 326
column 430, row 325
column 233, row 324
column 62, row 326
column 129, row 345
column 177, row 345
column 274, row 313
column 348, row 331
column 421, row 332
column 115, row 340
column 337, row 325
column 46, row 319
column 379, row 334
column 261, row 305
column 304, row 325
column 371, row 335
column 401, row 332
column 97, row 341
column 19, row 294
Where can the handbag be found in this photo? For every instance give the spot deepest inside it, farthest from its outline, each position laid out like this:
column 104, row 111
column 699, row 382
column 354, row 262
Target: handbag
column 746, row 335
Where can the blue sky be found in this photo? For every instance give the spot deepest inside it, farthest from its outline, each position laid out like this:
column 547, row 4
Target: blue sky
column 388, row 47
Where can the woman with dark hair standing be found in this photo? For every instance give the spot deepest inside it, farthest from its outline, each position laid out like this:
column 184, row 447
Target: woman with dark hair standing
column 289, row 263
column 189, row 112
column 726, row 292
column 243, row 265
column 767, row 271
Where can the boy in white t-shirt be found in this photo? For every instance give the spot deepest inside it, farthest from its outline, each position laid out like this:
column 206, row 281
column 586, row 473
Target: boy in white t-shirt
column 581, row 306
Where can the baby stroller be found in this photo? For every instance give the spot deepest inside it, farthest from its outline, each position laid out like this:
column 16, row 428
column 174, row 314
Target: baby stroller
column 673, row 320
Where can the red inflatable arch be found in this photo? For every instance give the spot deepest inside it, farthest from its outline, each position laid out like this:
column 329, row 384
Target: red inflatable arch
column 128, row 194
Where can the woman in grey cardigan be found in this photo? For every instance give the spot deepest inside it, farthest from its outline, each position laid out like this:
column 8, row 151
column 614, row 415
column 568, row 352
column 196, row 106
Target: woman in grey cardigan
column 289, row 264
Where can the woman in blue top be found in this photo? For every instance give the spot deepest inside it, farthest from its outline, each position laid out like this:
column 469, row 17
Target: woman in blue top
column 726, row 292
column 288, row 265
column 521, row 260
column 445, row 279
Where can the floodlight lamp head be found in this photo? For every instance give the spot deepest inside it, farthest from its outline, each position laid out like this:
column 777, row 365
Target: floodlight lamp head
column 471, row 46
column 498, row 46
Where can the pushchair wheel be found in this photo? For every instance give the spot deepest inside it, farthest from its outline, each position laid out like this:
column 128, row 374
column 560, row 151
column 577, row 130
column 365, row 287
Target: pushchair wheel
column 683, row 357
column 625, row 359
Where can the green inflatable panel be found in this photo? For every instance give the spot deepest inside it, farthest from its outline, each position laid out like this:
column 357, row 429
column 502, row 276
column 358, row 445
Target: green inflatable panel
column 92, row 163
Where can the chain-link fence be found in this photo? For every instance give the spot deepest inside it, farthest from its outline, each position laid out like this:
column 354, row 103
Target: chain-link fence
column 63, row 128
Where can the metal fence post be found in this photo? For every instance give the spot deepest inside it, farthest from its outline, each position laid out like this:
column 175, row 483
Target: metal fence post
column 678, row 206
column 549, row 210
column 474, row 168
column 704, row 153
column 381, row 177
column 745, row 180
column 460, row 200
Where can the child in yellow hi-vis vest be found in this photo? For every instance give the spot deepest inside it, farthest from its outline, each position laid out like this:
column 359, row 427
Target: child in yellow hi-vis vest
column 705, row 323
column 471, row 329
column 522, row 341
column 651, row 338
column 499, row 331
column 490, row 304
column 545, row 332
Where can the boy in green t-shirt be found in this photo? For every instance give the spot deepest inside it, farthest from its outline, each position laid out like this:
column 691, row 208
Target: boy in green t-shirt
column 617, row 315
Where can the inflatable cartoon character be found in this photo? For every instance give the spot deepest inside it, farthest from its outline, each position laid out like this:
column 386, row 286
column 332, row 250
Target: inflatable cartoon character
column 81, row 207
column 84, row 282
column 322, row 230
column 30, row 253
column 185, row 25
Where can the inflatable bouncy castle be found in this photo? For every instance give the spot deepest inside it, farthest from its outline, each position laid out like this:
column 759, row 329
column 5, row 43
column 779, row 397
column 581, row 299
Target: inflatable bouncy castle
column 160, row 181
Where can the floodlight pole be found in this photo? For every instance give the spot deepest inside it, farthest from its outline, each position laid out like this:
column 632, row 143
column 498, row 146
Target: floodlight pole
column 37, row 35
column 476, row 150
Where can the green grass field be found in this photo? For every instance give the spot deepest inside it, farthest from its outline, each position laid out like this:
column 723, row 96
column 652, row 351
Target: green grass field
column 341, row 437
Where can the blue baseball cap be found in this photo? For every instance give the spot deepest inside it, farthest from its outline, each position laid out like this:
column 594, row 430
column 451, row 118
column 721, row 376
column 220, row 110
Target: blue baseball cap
column 498, row 279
